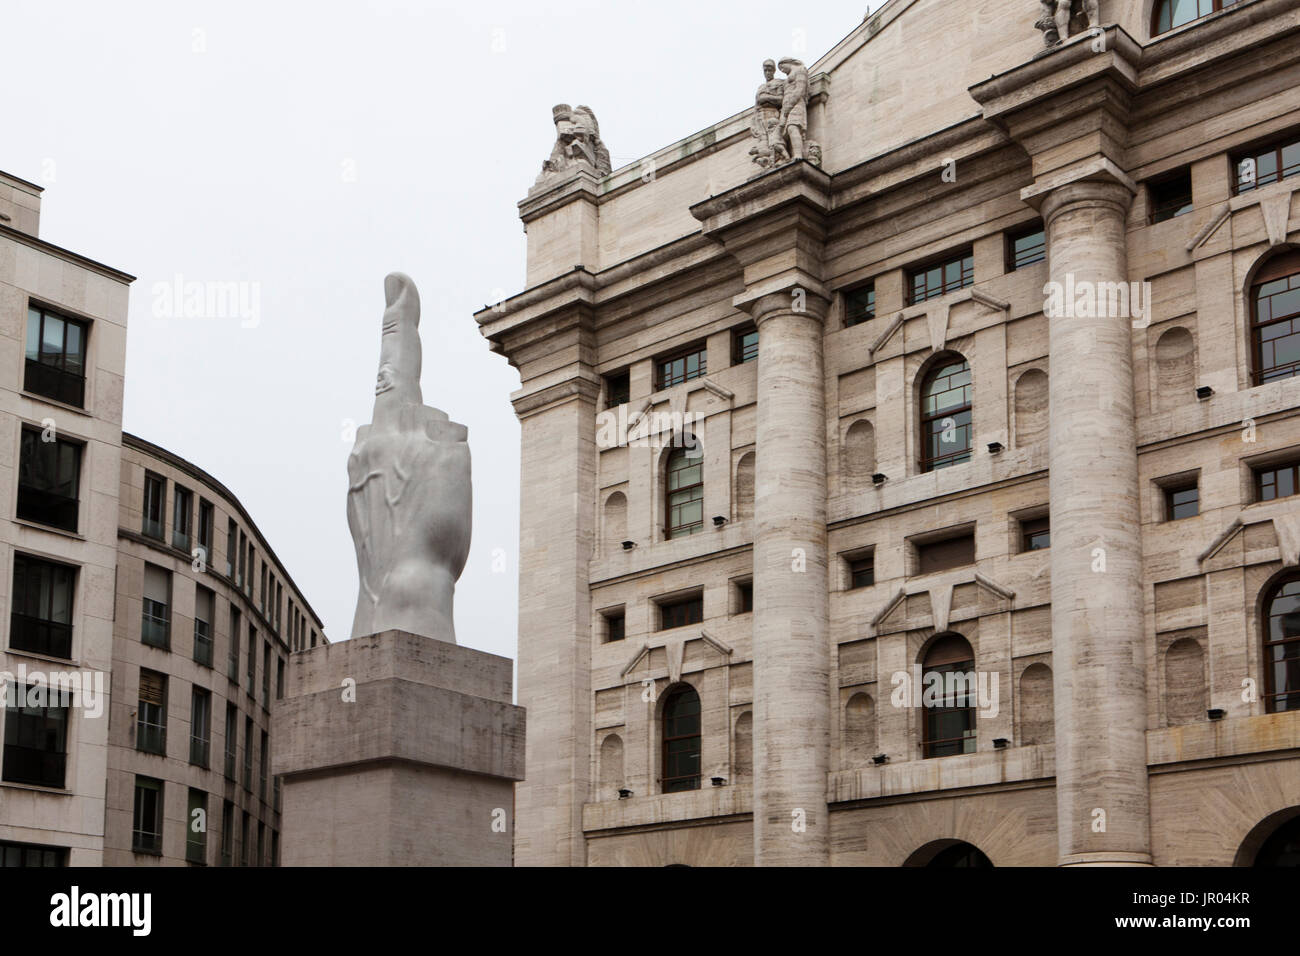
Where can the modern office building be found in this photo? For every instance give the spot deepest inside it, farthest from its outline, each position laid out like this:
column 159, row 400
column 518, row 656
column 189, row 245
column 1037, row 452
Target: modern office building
column 148, row 621
column 929, row 498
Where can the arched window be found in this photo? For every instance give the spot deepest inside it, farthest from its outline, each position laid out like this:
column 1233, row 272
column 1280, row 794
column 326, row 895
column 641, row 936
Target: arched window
column 684, row 491
column 1275, row 319
column 949, row 726
column 1176, row 13
column 946, row 414
column 681, row 740
column 1282, row 646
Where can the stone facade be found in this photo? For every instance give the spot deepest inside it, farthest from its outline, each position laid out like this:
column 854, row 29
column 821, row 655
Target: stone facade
column 1129, row 724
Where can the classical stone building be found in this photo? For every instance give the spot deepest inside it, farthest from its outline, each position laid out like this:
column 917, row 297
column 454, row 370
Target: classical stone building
column 910, row 460
column 145, row 614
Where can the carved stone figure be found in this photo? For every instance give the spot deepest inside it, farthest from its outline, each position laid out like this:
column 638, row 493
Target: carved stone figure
column 1055, row 15
column 577, row 142
column 794, row 106
column 769, row 147
column 408, row 490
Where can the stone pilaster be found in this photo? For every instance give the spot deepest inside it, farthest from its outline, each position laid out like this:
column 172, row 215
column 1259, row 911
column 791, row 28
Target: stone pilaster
column 1098, row 658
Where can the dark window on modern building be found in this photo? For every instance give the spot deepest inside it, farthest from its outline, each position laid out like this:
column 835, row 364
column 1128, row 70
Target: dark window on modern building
column 155, row 492
column 681, row 751
column 615, row 622
column 1277, row 481
column 1282, row 646
column 40, row 621
column 248, row 754
column 56, row 357
column 860, row 305
column 232, row 659
column 681, row 367
column 261, row 844
column 939, row 278
column 196, row 828
column 946, row 414
column 618, row 388
column 954, row 552
column 151, row 713
column 232, row 740
column 266, row 674
column 232, row 545
column 49, row 478
column 744, row 597
column 744, row 344
column 1035, row 534
column 1026, row 247
column 207, row 519
column 862, row 571
column 1182, row 500
column 146, row 833
column 264, row 757
column 205, row 602
column 36, row 735
column 200, row 726
column 1171, row 196
column 1268, row 164
column 31, row 854
column 1275, row 320
column 680, row 613
column 949, row 724
column 243, row 839
column 182, row 518
column 155, row 622
column 227, row 833
column 279, row 678
column 684, row 504
column 251, row 660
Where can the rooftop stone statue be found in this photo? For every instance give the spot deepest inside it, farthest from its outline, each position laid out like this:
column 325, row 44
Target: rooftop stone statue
column 409, row 496
column 1055, row 15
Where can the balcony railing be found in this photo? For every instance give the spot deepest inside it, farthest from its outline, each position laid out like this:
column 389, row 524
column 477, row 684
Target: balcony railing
column 40, row 636
column 151, row 738
column 35, row 766
column 230, row 765
column 55, row 383
column 181, row 541
column 195, row 852
column 47, row 508
column 154, row 627
column 146, row 841
column 203, row 643
column 199, row 749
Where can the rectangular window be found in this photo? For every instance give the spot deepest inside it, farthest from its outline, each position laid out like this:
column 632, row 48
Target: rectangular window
column 1035, row 534
column 151, row 714
column 1268, row 164
column 242, row 570
column 227, row 833
column 275, row 847
column 275, row 794
column 948, row 275
column 744, row 345
column 232, row 660
column 205, row 602
column 264, row 756
column 155, row 490
column 279, row 678
column 1182, row 501
column 681, row 612
column 252, row 563
column 949, row 553
column 681, row 367
column 56, row 357
column 262, row 596
column 615, row 625
column 860, row 305
column 196, row 828
column 31, row 855
column 232, row 544
column 261, row 844
column 182, row 518
column 243, row 839
column 41, row 618
column 207, row 519
column 313, row 637
column 36, row 735
column 248, row 754
column 1170, row 197
column 744, row 597
column 266, row 674
column 618, row 388
column 155, row 624
column 1277, row 481
column 252, row 660
column 146, row 833
column 862, row 572
column 232, row 740
column 49, row 479
column 1026, row 247
column 200, row 727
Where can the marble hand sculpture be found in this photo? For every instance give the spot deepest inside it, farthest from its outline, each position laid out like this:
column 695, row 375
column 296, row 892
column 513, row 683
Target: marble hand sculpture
column 408, row 490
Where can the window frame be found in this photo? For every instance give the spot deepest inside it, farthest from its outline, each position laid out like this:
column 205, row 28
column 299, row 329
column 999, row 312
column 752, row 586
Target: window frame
column 1158, row 209
column 1291, row 465
column 969, row 705
column 31, row 434
column 148, row 841
column 854, row 315
column 1217, row 6
column 75, row 383
column 1272, row 594
column 742, row 353
column 947, row 365
column 665, row 381
column 964, row 258
column 1277, row 268
column 690, row 602
column 34, row 722
column 678, row 498
column 55, row 637
column 680, row 782
column 1013, row 261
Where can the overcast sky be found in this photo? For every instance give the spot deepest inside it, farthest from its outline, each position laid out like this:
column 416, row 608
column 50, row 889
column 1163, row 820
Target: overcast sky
column 306, row 150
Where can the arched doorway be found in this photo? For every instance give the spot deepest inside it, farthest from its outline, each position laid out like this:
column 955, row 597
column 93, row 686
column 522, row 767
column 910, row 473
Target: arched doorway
column 1274, row 842
column 950, row 854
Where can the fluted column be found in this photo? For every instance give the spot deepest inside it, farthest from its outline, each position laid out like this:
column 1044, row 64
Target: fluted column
column 791, row 654
column 1098, row 660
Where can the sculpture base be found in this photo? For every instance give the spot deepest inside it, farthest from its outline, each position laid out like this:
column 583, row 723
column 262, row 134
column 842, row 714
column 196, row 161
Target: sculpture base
column 397, row 750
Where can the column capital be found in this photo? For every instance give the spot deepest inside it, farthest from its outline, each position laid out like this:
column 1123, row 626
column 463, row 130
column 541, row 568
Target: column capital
column 794, row 292
column 1094, row 181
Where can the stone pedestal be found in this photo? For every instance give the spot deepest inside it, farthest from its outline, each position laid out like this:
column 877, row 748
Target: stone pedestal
column 397, row 750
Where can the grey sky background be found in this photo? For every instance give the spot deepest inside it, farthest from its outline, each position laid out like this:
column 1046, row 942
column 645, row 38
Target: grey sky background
column 308, row 149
